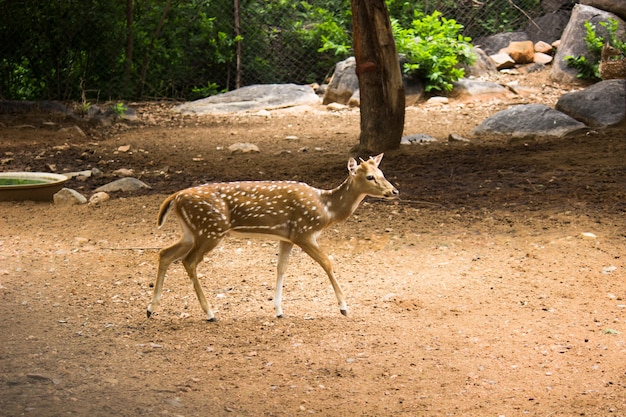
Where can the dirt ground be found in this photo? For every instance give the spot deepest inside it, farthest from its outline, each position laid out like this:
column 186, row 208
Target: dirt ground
column 494, row 287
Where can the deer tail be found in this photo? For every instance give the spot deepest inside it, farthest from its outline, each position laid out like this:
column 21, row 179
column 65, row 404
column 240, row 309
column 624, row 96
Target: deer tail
column 166, row 206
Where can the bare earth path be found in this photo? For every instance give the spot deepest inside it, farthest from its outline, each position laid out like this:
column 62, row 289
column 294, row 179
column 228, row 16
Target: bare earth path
column 496, row 286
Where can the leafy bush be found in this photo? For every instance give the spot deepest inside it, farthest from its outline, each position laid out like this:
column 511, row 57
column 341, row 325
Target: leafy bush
column 434, row 48
column 588, row 67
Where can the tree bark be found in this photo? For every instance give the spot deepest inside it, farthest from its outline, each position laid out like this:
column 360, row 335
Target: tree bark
column 238, row 70
column 380, row 79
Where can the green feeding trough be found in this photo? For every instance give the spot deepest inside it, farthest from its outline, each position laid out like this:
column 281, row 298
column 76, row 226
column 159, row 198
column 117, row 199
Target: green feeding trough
column 35, row 186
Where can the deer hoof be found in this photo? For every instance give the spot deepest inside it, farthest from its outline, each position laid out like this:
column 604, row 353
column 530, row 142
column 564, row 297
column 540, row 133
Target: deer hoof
column 344, row 312
column 211, row 320
column 280, row 316
column 148, row 313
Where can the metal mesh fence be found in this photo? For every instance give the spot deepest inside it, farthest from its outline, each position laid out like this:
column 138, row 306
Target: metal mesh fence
column 95, row 50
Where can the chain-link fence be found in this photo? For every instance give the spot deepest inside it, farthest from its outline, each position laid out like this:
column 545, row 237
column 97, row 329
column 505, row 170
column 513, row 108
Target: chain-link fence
column 94, row 50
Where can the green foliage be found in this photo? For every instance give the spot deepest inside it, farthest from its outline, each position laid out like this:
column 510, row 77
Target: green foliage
column 434, row 48
column 210, row 89
column 119, row 109
column 588, row 66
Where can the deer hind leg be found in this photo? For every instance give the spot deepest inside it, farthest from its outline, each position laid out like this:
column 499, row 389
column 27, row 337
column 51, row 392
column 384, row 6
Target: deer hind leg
column 190, row 262
column 313, row 250
column 284, row 250
column 166, row 257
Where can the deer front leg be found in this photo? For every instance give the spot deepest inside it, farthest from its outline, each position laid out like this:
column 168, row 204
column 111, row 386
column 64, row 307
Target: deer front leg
column 284, row 250
column 312, row 249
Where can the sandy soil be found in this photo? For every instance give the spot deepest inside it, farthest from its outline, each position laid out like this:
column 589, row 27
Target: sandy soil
column 494, row 287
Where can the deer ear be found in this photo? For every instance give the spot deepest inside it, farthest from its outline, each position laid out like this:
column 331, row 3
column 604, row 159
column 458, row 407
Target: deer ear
column 352, row 166
column 378, row 158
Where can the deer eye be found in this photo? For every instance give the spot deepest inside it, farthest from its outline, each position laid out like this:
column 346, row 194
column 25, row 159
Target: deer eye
column 370, row 177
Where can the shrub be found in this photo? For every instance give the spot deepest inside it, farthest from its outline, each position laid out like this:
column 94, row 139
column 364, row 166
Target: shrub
column 434, row 48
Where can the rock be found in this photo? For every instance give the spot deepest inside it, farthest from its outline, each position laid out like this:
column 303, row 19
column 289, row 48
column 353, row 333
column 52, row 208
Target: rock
column 437, row 101
column 243, row 148
column 572, row 41
column 95, row 172
column 99, row 197
column 528, row 121
column 600, row 105
column 543, row 47
column 502, row 61
column 74, row 130
column 494, row 43
column 336, row 107
column 549, row 27
column 483, row 66
column 418, row 138
column 252, row 98
column 355, row 100
column 554, row 5
column 617, row 7
column 124, row 172
column 478, row 90
column 521, row 52
column 68, row 197
column 343, row 83
column 123, row 184
column 453, row 137
column 541, row 58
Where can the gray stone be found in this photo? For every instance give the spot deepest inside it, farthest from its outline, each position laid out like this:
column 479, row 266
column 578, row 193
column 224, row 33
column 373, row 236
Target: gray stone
column 483, row 65
column 417, row 139
column 554, row 5
column 68, row 197
column 573, row 44
column 549, row 27
column 252, row 99
column 243, row 148
column 530, row 120
column 502, row 61
column 123, row 184
column 617, row 7
column 343, row 84
column 601, row 105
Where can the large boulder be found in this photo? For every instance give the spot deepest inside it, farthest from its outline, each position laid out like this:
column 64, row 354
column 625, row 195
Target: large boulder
column 252, row 98
column 601, row 105
column 549, row 27
column 343, row 84
column 529, row 120
column 483, row 65
column 617, row 7
column 573, row 43
column 554, row 5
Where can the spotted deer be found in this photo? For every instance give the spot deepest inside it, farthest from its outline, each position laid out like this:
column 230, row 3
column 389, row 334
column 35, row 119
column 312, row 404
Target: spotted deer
column 292, row 212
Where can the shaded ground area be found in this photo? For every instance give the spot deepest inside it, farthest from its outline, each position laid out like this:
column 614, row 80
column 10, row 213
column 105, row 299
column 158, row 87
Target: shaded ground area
column 494, row 287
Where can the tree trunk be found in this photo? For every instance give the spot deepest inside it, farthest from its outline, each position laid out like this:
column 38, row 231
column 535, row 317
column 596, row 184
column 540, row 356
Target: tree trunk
column 237, row 13
column 380, row 79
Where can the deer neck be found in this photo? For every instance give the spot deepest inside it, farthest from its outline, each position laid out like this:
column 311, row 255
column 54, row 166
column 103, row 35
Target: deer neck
column 342, row 201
